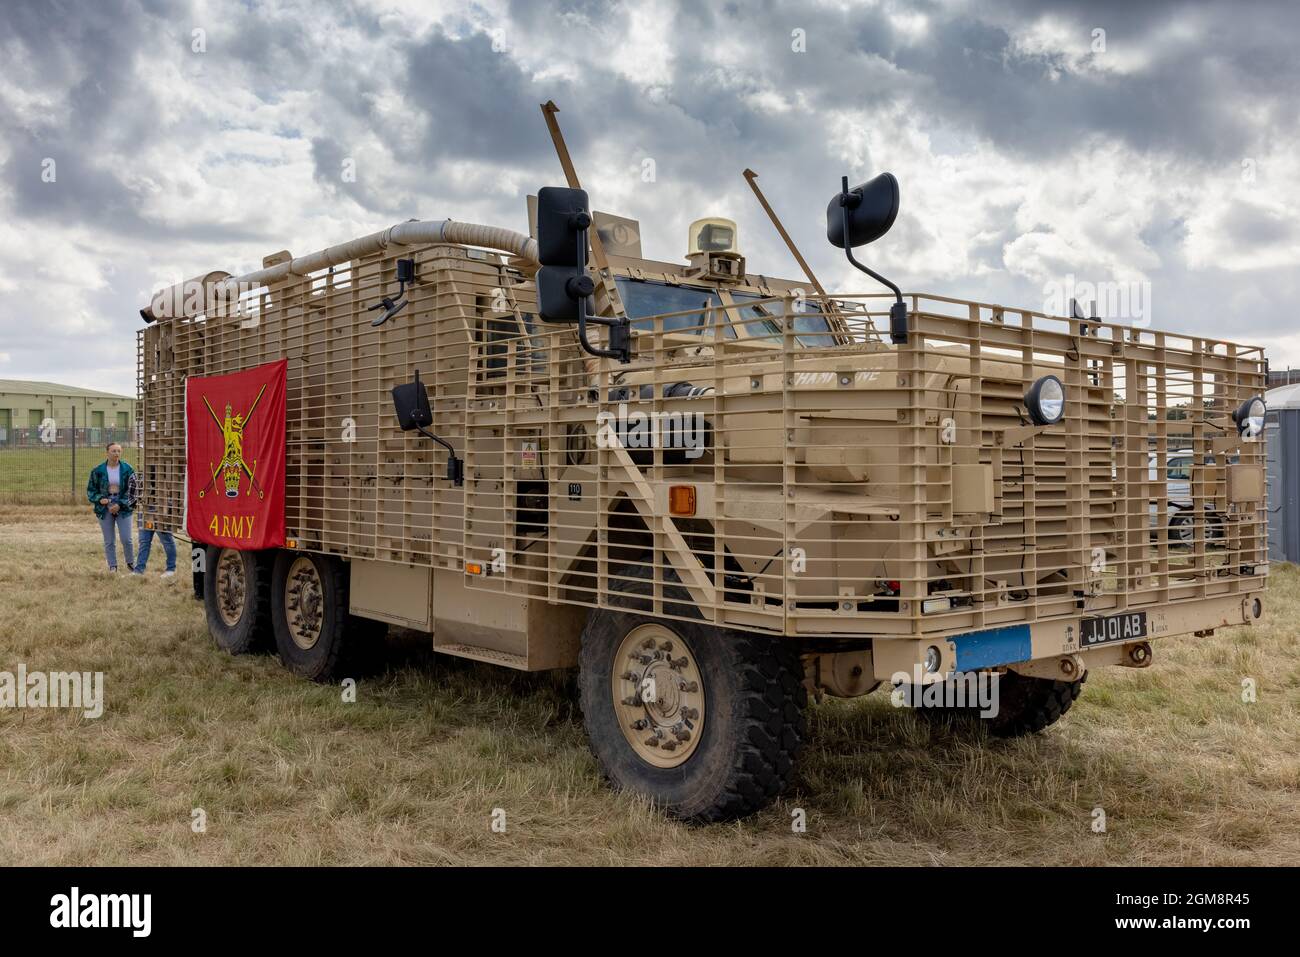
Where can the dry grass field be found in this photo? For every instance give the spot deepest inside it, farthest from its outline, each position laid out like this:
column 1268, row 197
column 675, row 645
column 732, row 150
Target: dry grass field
column 288, row 773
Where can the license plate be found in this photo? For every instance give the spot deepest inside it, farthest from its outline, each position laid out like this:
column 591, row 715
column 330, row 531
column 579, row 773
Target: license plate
column 1123, row 627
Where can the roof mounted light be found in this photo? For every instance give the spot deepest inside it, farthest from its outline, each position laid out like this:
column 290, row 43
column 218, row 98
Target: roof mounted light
column 1045, row 401
column 1250, row 417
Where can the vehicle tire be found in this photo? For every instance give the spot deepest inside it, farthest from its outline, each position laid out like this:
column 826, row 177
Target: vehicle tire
column 1182, row 530
column 237, row 598
column 726, row 713
column 1025, row 705
column 316, row 636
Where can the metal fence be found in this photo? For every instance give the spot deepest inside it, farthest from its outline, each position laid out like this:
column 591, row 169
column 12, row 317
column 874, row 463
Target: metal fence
column 52, row 464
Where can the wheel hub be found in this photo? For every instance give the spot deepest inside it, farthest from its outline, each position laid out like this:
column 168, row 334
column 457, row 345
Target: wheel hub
column 231, row 587
column 304, row 603
column 658, row 695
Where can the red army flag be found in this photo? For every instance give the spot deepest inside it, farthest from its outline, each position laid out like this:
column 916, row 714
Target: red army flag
column 234, row 457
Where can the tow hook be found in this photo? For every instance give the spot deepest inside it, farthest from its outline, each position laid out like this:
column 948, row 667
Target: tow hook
column 1138, row 655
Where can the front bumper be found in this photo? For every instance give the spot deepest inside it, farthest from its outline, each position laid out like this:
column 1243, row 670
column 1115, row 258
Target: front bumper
column 1027, row 647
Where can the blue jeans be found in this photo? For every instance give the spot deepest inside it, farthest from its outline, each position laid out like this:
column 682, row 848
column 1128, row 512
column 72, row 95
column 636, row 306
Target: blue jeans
column 122, row 521
column 146, row 543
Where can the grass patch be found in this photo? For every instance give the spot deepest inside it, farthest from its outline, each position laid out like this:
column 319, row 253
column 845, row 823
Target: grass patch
column 287, row 773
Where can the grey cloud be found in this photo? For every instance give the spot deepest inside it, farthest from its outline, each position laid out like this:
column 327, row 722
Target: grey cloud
column 1221, row 93
column 1254, row 227
column 478, row 101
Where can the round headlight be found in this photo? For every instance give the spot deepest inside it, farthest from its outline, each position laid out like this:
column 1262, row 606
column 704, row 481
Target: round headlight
column 1250, row 416
column 933, row 658
column 1045, row 400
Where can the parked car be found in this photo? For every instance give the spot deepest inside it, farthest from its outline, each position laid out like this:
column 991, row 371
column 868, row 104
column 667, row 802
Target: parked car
column 1178, row 496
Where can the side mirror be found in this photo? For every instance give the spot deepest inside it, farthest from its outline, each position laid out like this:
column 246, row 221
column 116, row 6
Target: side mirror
column 411, row 403
column 872, row 209
column 561, row 291
column 562, row 215
column 855, row 217
column 563, row 218
column 563, row 285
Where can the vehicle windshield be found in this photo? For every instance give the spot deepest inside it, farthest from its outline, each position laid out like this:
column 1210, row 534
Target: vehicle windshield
column 762, row 320
column 642, row 299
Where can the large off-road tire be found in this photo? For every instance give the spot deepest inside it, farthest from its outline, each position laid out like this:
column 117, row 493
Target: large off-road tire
column 727, row 706
column 237, row 598
column 1025, row 705
column 314, row 633
column 1028, row 705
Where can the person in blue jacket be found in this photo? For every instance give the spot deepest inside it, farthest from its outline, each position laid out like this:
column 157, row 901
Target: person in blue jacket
column 107, row 491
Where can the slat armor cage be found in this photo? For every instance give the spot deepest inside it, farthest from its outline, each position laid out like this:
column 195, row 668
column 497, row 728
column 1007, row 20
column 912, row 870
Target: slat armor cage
column 839, row 485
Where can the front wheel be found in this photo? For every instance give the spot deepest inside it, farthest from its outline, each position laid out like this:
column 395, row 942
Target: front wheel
column 706, row 722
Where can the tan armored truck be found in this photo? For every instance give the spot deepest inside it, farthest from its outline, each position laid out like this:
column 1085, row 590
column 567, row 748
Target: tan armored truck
column 713, row 491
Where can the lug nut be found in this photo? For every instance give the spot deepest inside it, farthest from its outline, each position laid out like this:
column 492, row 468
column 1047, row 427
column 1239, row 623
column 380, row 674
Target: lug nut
column 666, row 646
column 648, row 643
column 690, row 687
column 640, row 724
column 690, row 714
column 628, row 676
column 681, row 734
column 632, row 701
column 652, row 742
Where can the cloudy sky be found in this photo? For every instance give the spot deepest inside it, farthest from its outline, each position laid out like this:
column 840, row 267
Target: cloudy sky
column 1153, row 144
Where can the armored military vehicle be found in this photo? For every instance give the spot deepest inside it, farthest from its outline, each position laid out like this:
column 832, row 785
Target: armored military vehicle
column 713, row 491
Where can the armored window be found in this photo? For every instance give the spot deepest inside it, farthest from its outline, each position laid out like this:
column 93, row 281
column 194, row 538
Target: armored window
column 762, row 320
column 643, row 299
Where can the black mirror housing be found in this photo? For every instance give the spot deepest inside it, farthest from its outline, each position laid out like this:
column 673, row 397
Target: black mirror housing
column 411, row 403
column 562, row 215
column 560, row 291
column 872, row 207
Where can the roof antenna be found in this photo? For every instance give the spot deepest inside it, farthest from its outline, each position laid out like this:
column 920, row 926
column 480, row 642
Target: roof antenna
column 842, row 332
column 613, row 301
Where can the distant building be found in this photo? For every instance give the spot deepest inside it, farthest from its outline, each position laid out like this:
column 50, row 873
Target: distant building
column 36, row 413
column 1280, row 377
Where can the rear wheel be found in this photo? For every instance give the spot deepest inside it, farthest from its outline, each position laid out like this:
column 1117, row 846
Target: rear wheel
column 706, row 722
column 1028, row 705
column 1025, row 705
column 314, row 633
column 237, row 598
